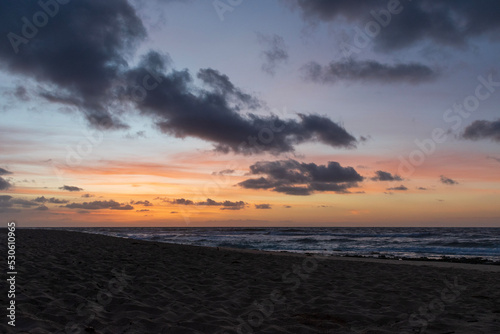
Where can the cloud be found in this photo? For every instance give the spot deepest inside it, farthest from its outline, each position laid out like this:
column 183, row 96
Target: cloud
column 263, row 206
column 422, row 188
column 385, row 176
column 443, row 22
column 142, row 210
column 4, row 172
column 226, row 205
column 41, row 199
column 50, row 200
column 275, row 52
column 70, row 188
column 124, row 207
column 447, row 181
column 145, row 203
column 399, row 188
column 98, row 205
column 214, row 115
column 23, row 202
column 42, row 208
column 98, row 36
column 224, row 172
column 88, row 195
column 483, row 130
column 4, row 184
column 287, row 206
column 5, row 202
column 181, row 201
column 101, row 37
column 221, row 85
column 295, row 178
column 372, row 71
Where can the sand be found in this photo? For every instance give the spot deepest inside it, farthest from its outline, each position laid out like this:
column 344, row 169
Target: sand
column 70, row 282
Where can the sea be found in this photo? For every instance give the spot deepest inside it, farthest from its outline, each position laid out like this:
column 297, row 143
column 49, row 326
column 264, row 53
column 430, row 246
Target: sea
column 434, row 243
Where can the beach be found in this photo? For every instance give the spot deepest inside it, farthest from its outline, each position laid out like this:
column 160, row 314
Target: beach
column 71, row 282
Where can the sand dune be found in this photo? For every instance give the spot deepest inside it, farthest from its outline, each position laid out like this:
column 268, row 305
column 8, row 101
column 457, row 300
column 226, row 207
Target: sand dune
column 71, row 282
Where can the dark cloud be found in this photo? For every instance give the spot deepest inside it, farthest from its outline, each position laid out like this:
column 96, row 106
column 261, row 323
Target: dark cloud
column 50, row 200
column 399, row 188
column 182, row 201
column 373, row 71
column 275, row 52
column 145, row 203
column 292, row 190
column 80, row 59
column 5, row 202
column 214, row 115
column 23, row 202
column 448, row 181
column 209, row 202
column 226, row 205
column 444, row 22
column 483, row 130
column 41, row 199
column 142, row 210
column 70, row 188
column 88, row 195
column 57, row 201
column 42, row 208
column 98, row 205
column 385, row 176
column 295, row 178
column 4, row 172
column 4, row 184
column 81, row 50
column 287, row 206
column 221, row 85
column 263, row 206
column 124, row 207
column 422, row 188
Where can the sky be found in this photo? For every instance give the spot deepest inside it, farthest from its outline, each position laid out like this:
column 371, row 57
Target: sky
column 250, row 113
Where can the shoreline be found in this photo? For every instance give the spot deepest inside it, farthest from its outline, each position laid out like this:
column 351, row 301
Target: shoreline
column 421, row 260
column 102, row 284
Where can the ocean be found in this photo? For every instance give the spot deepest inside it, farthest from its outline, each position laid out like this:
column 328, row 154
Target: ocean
column 378, row 242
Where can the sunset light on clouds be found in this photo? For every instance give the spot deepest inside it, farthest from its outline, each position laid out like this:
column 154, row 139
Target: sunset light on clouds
column 250, row 113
